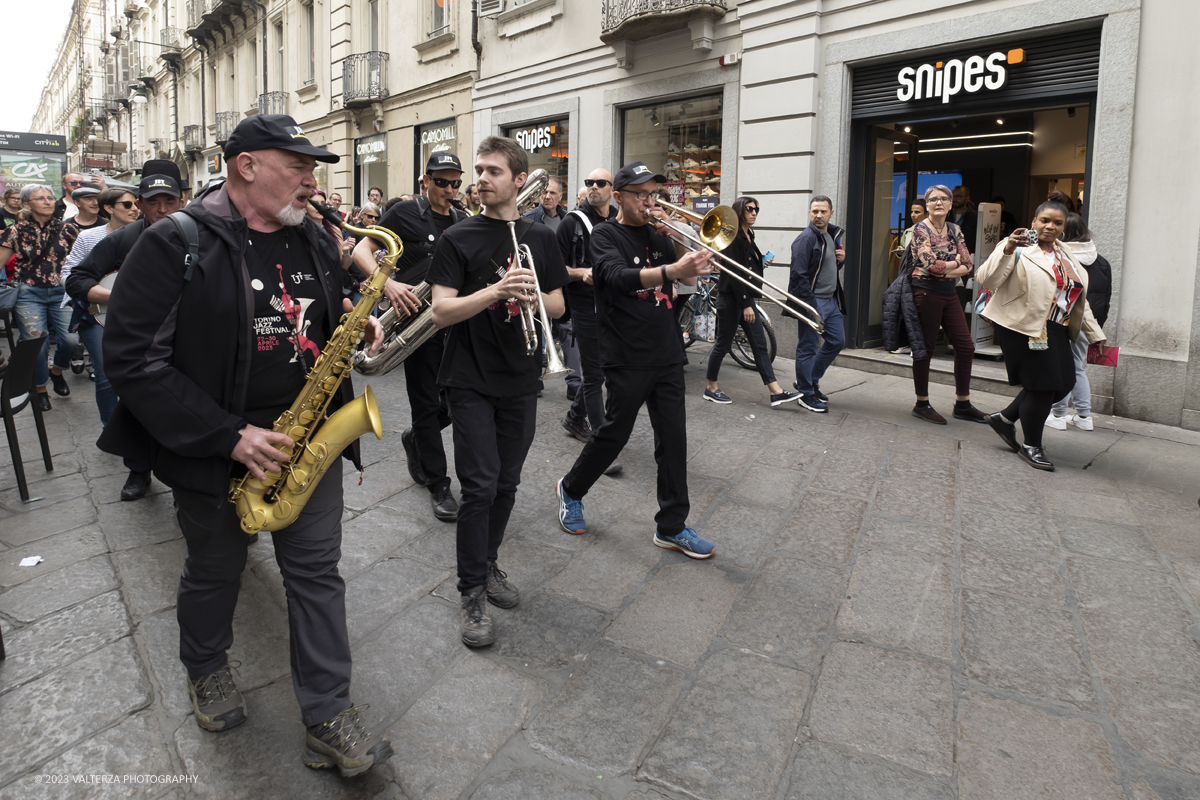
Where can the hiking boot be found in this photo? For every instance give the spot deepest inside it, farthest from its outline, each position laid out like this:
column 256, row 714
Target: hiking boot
column 217, row 702
column 499, row 591
column 345, row 743
column 415, row 470
column 476, row 624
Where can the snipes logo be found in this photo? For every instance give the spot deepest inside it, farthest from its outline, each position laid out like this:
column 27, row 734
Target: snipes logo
column 947, row 79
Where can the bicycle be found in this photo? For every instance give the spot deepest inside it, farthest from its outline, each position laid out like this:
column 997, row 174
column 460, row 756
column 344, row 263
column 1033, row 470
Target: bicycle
column 703, row 303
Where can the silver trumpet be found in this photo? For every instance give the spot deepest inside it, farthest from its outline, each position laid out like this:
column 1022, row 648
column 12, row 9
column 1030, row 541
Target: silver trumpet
column 523, row 258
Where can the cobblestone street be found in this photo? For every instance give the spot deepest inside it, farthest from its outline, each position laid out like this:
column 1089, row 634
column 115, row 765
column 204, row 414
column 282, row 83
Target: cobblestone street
column 895, row 610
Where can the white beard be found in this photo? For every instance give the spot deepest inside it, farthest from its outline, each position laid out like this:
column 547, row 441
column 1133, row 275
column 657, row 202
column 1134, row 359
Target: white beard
column 291, row 216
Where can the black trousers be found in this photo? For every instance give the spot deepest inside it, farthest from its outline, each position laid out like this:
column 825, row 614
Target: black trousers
column 729, row 317
column 661, row 389
column 430, row 416
column 564, row 334
column 492, row 436
column 307, row 552
column 588, row 403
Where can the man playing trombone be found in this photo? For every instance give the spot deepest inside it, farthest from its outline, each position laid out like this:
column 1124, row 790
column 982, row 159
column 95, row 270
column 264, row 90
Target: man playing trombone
column 491, row 373
column 633, row 268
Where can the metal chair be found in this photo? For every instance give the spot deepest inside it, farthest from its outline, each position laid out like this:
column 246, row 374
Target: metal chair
column 18, row 391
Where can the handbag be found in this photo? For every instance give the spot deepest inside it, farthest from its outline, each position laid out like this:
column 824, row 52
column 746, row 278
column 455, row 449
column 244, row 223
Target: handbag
column 1103, row 355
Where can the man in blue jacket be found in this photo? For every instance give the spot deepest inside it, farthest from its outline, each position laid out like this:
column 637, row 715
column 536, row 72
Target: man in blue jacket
column 817, row 255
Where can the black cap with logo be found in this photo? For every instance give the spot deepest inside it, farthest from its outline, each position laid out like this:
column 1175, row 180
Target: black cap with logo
column 443, row 161
column 273, row 132
column 635, row 174
column 159, row 184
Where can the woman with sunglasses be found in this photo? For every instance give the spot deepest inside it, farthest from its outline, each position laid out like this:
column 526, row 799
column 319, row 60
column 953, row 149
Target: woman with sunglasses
column 735, row 306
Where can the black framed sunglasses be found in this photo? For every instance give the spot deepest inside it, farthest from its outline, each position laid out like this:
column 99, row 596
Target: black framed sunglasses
column 442, row 183
column 371, row 216
column 125, row 204
column 751, row 209
column 600, row 182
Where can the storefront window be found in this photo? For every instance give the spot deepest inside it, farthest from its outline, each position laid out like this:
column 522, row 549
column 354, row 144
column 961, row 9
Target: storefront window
column 436, row 137
column 548, row 149
column 370, row 161
column 681, row 139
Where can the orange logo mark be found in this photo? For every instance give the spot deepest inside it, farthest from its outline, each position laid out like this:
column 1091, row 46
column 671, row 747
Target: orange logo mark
column 1016, row 56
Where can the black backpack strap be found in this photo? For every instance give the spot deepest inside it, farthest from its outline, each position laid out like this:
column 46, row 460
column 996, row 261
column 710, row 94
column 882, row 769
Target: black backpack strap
column 191, row 237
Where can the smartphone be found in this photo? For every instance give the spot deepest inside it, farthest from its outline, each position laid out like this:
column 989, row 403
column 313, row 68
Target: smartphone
column 1032, row 237
column 769, row 257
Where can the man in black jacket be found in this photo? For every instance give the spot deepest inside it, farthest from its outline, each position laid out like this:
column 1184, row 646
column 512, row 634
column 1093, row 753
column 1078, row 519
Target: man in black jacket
column 204, row 356
column 817, row 256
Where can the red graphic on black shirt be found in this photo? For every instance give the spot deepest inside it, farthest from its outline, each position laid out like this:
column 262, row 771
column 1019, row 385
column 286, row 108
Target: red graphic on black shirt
column 657, row 294
column 294, row 311
column 511, row 305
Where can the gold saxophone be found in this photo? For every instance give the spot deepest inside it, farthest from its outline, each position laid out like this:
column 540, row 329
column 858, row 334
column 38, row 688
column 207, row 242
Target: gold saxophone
column 319, row 438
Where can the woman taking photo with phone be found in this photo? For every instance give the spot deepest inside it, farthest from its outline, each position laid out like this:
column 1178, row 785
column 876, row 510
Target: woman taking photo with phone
column 735, row 306
column 1039, row 307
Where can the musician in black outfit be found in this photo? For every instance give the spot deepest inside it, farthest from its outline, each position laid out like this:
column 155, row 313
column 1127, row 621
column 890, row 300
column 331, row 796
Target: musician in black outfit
column 491, row 379
column 420, row 224
column 634, row 266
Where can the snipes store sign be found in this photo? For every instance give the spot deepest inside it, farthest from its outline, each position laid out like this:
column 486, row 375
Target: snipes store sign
column 954, row 76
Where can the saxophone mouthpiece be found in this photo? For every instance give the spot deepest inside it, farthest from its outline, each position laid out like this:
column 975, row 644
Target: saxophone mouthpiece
column 327, row 211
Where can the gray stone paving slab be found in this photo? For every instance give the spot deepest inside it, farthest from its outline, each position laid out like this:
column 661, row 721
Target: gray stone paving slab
column 1089, row 506
column 847, row 472
column 1174, row 534
column 546, row 631
column 1164, row 727
column 1107, row 540
column 107, row 488
column 740, row 531
column 57, row 551
column 772, row 486
column 528, row 565
column 63, row 704
column 821, row 772
column 612, row 706
column 733, row 731
column 379, row 482
column 901, row 599
column 823, row 527
column 51, row 490
column 788, row 610
column 916, row 500
column 651, row 624
column 918, row 537
column 1013, row 531
column 59, row 589
column 260, row 637
column 795, row 451
column 148, row 521
column 1014, row 573
column 158, row 638
column 376, row 594
column 374, row 534
column 41, row 522
column 611, row 569
column 528, row 783
column 450, row 734
column 720, row 459
column 436, row 547
column 897, row 707
column 1024, row 647
column 62, row 638
column 1008, row 750
column 150, row 576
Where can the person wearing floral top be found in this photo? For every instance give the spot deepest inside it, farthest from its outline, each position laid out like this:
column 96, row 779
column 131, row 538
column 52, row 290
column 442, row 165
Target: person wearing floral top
column 941, row 257
column 41, row 245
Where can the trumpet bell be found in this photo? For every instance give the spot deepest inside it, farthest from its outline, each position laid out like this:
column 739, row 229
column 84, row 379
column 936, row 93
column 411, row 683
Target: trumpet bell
column 719, row 227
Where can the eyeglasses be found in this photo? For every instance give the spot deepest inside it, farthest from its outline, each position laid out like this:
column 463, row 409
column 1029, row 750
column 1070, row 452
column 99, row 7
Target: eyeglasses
column 936, row 200
column 125, row 204
column 641, row 197
column 74, row 183
column 600, row 183
column 751, row 209
column 442, row 183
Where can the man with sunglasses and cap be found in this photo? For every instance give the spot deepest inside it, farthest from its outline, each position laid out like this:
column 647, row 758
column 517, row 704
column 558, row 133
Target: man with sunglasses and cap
column 420, row 223
column 205, row 353
column 634, row 266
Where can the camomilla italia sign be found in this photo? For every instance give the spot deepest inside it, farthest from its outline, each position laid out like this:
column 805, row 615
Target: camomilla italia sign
column 954, row 76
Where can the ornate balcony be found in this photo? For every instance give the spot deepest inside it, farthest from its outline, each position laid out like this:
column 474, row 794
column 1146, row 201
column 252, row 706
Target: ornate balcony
column 171, row 40
column 196, row 9
column 226, row 122
column 631, row 20
column 273, row 103
column 364, row 79
column 193, row 138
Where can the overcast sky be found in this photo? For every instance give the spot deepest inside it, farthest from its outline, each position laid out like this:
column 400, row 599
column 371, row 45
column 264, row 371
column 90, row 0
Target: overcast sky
column 33, row 32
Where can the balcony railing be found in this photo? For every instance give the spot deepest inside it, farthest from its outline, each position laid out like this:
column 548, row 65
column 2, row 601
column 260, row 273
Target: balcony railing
column 196, row 9
column 193, row 138
column 364, row 78
column 641, row 19
column 226, row 122
column 171, row 40
column 273, row 103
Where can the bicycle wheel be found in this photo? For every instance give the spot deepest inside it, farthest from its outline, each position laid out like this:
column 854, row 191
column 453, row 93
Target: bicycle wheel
column 687, row 324
column 741, row 351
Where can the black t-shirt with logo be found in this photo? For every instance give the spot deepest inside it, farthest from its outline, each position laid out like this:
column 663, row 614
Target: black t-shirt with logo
column 420, row 237
column 637, row 325
column 291, row 322
column 486, row 353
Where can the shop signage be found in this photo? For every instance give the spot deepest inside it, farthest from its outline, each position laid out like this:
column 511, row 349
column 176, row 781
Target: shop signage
column 214, row 164
column 533, row 139
column 949, row 78
column 44, row 142
column 370, row 150
column 702, row 205
column 439, row 140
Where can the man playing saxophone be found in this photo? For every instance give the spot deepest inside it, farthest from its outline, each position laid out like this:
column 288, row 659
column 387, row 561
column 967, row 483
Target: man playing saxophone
column 420, row 224
column 491, row 377
column 206, row 347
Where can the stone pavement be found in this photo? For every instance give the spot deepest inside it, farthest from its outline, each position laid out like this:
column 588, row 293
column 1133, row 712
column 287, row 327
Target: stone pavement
column 895, row 610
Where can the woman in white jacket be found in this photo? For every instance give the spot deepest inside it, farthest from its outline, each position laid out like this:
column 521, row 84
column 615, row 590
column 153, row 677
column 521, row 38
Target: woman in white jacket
column 1039, row 307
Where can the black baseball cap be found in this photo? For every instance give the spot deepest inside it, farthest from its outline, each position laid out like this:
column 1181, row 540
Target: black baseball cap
column 161, row 166
column 158, row 184
column 273, row 132
column 443, row 161
column 635, row 174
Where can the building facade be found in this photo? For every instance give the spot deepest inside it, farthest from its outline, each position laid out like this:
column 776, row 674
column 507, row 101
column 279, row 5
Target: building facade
column 866, row 102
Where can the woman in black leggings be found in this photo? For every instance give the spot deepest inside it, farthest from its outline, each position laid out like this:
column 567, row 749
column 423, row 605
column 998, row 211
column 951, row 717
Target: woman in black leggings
column 1039, row 308
column 735, row 306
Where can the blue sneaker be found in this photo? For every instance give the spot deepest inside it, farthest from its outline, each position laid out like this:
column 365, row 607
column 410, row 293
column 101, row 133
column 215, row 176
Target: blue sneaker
column 570, row 512
column 817, row 393
column 717, row 397
column 686, row 542
column 783, row 397
column 811, row 402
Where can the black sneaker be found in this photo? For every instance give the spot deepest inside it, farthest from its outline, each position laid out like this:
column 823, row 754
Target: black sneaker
column 581, row 430
column 344, row 742
column 445, row 507
column 476, row 628
column 1005, row 430
column 817, row 393
column 1036, row 458
column 217, row 702
column 499, row 591
column 136, row 486
column 415, row 470
column 60, row 385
